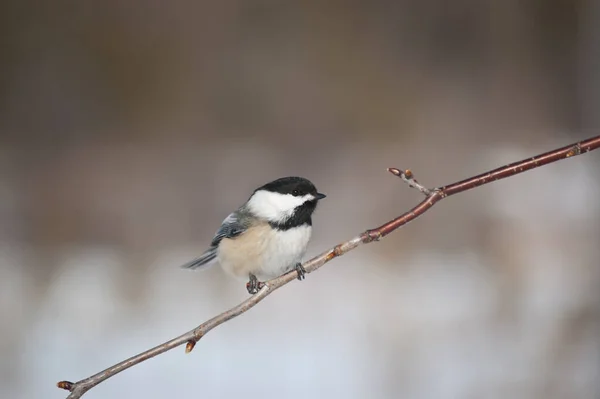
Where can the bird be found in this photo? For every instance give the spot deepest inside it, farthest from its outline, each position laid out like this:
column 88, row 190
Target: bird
column 267, row 236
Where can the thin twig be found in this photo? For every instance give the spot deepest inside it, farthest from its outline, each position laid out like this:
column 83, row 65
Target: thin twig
column 432, row 196
column 408, row 177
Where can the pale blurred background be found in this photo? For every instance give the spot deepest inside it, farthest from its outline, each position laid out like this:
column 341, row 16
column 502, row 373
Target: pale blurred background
column 130, row 129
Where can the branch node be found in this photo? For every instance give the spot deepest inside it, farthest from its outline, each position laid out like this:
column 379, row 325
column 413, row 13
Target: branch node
column 66, row 385
column 337, row 250
column 439, row 191
column 189, row 346
column 575, row 150
column 374, row 235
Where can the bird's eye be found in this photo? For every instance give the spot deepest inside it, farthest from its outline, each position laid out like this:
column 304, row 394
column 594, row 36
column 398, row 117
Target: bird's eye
column 295, row 193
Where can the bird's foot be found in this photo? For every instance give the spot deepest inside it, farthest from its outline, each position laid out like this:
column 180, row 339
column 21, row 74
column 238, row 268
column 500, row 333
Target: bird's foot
column 301, row 271
column 253, row 286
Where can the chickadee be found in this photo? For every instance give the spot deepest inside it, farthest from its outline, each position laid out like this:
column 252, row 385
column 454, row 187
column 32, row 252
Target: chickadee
column 268, row 235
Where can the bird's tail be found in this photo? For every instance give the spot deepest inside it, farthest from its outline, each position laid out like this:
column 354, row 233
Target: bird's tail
column 204, row 261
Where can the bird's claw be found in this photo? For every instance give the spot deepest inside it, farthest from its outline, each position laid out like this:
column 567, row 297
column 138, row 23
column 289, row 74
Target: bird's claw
column 301, row 271
column 253, row 286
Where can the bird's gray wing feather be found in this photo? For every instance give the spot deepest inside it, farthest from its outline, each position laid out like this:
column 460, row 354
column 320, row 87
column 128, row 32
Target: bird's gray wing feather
column 231, row 227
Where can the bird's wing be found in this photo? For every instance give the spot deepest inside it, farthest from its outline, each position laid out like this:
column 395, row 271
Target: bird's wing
column 231, row 227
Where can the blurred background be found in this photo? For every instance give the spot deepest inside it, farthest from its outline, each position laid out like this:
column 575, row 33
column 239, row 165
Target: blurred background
column 129, row 130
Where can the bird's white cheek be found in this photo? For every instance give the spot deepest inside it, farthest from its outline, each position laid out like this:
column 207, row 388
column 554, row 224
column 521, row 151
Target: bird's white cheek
column 275, row 206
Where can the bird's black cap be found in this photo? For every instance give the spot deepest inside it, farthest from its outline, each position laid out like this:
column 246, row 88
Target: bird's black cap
column 296, row 186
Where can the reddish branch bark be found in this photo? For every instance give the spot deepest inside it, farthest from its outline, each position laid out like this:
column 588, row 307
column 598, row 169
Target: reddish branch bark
column 432, row 196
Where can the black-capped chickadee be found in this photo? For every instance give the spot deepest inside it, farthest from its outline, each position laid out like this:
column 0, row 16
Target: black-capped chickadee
column 268, row 235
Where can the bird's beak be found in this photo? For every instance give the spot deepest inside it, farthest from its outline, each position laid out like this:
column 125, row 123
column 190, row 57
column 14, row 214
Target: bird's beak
column 320, row 196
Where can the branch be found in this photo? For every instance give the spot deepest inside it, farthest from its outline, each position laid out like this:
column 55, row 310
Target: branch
column 432, row 196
